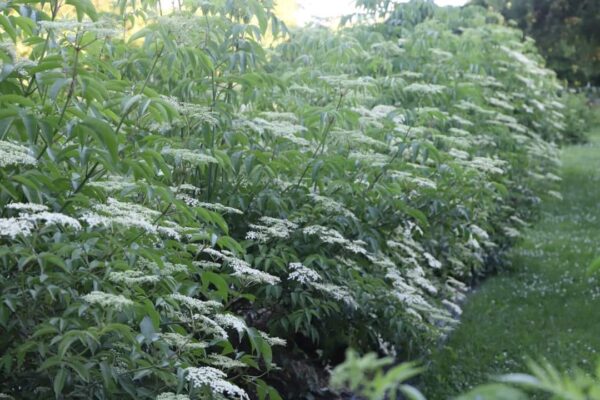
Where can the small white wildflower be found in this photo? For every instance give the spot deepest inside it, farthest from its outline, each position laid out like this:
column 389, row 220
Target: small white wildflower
column 214, row 379
column 118, row 302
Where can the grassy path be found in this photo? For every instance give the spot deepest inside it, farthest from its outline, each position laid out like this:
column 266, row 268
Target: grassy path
column 548, row 306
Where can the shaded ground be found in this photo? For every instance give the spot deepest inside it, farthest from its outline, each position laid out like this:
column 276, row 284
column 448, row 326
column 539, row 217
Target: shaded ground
column 548, row 306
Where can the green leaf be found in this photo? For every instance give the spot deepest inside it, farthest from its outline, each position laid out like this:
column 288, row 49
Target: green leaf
column 59, row 382
column 147, row 329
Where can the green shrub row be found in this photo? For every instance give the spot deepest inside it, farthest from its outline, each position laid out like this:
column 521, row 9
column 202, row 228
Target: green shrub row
column 177, row 197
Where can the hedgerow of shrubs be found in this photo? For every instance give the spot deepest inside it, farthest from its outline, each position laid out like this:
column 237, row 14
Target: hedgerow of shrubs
column 182, row 203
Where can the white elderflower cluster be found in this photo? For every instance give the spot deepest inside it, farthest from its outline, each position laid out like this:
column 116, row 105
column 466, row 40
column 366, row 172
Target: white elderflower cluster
column 424, row 88
column 345, row 82
column 9, row 49
column 416, row 275
column 432, row 261
column 272, row 228
column 411, row 74
column 221, row 361
column 210, row 327
column 355, row 138
column 301, row 89
column 282, row 129
column 336, row 292
column 242, row 270
column 132, row 277
column 13, row 227
column 101, row 28
column 500, row 103
column 479, row 232
column 107, row 300
column 376, row 160
column 192, row 110
column 188, row 200
column 220, row 208
column 194, row 157
column 461, row 121
column 172, row 396
column 185, row 29
column 15, row 154
column 272, row 340
column 27, row 207
column 281, row 116
column 30, row 216
column 530, row 65
column 52, row 218
column 206, row 264
column 216, row 380
column 444, row 55
column 302, row 274
column 113, row 184
column 458, row 154
column 407, row 177
column 511, row 232
column 170, row 268
column 203, row 307
column 452, row 307
column 129, row 215
column 468, row 106
column 326, row 235
column 484, row 80
column 230, row 321
column 331, row 206
column 486, row 164
column 555, row 194
column 182, row 342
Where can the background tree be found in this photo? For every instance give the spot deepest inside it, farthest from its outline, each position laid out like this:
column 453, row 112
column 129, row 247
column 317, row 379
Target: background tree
column 566, row 31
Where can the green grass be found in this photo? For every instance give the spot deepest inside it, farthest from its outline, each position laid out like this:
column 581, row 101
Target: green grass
column 547, row 305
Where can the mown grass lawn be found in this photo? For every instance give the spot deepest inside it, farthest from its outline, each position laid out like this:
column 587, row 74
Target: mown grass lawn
column 547, row 305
